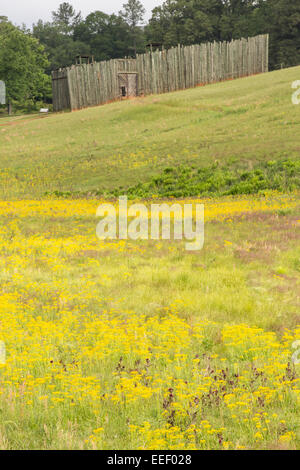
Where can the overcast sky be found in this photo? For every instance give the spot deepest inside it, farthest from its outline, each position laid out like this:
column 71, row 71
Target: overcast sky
column 29, row 11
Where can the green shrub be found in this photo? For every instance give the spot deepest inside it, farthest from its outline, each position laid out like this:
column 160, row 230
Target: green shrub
column 218, row 181
column 215, row 180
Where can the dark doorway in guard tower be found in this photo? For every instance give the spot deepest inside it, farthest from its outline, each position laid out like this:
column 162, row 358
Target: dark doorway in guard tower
column 128, row 84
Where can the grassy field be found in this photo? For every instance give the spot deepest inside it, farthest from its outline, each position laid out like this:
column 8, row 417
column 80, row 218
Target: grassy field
column 141, row 344
column 237, row 123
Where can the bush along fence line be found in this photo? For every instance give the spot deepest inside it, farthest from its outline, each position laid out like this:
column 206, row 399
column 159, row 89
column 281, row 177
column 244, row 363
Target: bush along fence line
column 178, row 68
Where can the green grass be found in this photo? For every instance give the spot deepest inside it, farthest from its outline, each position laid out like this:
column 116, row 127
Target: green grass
column 239, row 124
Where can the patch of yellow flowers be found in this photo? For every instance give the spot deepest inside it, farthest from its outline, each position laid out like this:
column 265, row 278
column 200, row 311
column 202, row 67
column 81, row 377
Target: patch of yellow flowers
column 162, row 381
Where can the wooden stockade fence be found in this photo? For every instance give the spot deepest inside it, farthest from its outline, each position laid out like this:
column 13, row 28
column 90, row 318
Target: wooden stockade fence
column 178, row 68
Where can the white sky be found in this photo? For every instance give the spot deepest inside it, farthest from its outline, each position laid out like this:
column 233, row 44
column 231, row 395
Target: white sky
column 29, row 11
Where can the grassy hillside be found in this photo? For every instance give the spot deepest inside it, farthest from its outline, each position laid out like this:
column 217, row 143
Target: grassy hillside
column 237, row 123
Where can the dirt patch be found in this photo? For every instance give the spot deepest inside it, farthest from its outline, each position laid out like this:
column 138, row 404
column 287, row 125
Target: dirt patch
column 263, row 253
column 268, row 235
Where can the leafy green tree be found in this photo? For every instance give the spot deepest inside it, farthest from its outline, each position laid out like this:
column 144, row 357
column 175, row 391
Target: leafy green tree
column 66, row 18
column 107, row 36
column 241, row 18
column 283, row 18
column 185, row 22
column 61, row 48
column 22, row 64
column 133, row 13
column 58, row 37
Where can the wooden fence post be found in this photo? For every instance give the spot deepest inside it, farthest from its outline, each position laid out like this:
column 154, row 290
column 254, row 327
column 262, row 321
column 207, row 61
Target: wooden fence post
column 178, row 68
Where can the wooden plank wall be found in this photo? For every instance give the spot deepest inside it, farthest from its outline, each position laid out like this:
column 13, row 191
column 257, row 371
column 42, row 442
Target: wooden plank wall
column 185, row 67
column 60, row 90
column 178, row 68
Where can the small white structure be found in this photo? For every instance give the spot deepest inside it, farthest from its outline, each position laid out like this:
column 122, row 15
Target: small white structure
column 44, row 110
column 2, row 92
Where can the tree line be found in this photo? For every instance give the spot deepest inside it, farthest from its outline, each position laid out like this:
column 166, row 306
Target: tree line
column 27, row 56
